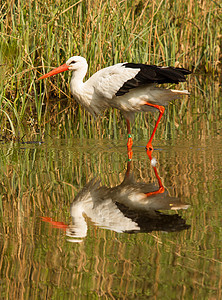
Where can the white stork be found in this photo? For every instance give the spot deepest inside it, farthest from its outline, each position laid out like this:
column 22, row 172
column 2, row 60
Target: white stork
column 128, row 87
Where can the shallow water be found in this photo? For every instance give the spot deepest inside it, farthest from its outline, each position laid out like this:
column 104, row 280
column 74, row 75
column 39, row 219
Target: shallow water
column 71, row 228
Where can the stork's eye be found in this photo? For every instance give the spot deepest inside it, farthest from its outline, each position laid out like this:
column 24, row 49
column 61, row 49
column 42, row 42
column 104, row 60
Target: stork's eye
column 72, row 62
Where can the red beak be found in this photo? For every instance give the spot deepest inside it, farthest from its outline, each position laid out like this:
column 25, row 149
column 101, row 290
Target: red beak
column 58, row 70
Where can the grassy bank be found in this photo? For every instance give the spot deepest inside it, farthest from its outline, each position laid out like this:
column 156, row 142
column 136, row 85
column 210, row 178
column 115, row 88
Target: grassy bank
column 38, row 35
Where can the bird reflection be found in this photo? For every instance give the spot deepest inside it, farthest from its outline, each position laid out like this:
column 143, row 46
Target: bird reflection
column 131, row 207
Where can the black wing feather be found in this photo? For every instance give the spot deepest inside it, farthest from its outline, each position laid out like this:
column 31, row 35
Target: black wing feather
column 152, row 74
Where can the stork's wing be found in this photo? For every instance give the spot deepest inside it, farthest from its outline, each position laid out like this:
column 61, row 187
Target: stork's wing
column 152, row 74
column 120, row 78
column 107, row 82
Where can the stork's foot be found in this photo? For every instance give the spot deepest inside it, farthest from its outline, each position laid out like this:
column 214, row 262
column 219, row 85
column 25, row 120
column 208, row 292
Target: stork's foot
column 129, row 143
column 149, row 147
column 149, row 150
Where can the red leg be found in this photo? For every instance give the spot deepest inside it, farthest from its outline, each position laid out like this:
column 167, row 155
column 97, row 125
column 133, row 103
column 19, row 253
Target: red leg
column 161, row 110
column 130, row 140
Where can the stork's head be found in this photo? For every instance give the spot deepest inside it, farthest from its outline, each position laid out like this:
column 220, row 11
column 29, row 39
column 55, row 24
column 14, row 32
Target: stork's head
column 74, row 63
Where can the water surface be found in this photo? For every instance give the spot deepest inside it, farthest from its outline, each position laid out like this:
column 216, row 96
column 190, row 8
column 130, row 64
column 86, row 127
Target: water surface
column 67, row 232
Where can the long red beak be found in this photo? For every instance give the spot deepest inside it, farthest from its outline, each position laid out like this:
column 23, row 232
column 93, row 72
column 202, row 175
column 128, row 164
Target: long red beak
column 58, row 70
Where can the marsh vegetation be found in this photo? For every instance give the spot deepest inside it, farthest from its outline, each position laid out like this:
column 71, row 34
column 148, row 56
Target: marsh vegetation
column 39, row 35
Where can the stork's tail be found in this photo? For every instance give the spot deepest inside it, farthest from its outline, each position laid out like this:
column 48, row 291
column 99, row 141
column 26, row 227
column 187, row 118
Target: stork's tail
column 179, row 92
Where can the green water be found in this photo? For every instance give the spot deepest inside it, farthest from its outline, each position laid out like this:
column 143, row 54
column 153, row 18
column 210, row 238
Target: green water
column 46, row 254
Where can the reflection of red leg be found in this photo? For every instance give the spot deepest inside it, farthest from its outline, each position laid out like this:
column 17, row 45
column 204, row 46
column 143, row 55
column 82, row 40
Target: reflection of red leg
column 130, row 140
column 128, row 166
column 54, row 224
column 161, row 187
column 149, row 153
column 161, row 110
column 130, row 154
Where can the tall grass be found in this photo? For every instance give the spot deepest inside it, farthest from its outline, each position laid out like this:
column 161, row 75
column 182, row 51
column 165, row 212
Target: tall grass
column 38, row 35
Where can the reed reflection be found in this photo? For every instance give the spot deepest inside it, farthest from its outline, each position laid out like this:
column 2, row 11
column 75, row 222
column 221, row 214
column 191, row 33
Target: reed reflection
column 131, row 207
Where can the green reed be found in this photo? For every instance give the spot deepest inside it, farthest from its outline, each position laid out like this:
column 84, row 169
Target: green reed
column 39, row 35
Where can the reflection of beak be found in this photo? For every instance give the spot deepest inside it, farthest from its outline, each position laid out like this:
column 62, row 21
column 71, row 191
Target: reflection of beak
column 58, row 70
column 54, row 224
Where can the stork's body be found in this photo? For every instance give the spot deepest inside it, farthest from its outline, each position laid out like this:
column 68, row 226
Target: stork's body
column 126, row 86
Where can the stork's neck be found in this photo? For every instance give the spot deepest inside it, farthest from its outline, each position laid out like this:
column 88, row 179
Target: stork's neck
column 77, row 77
